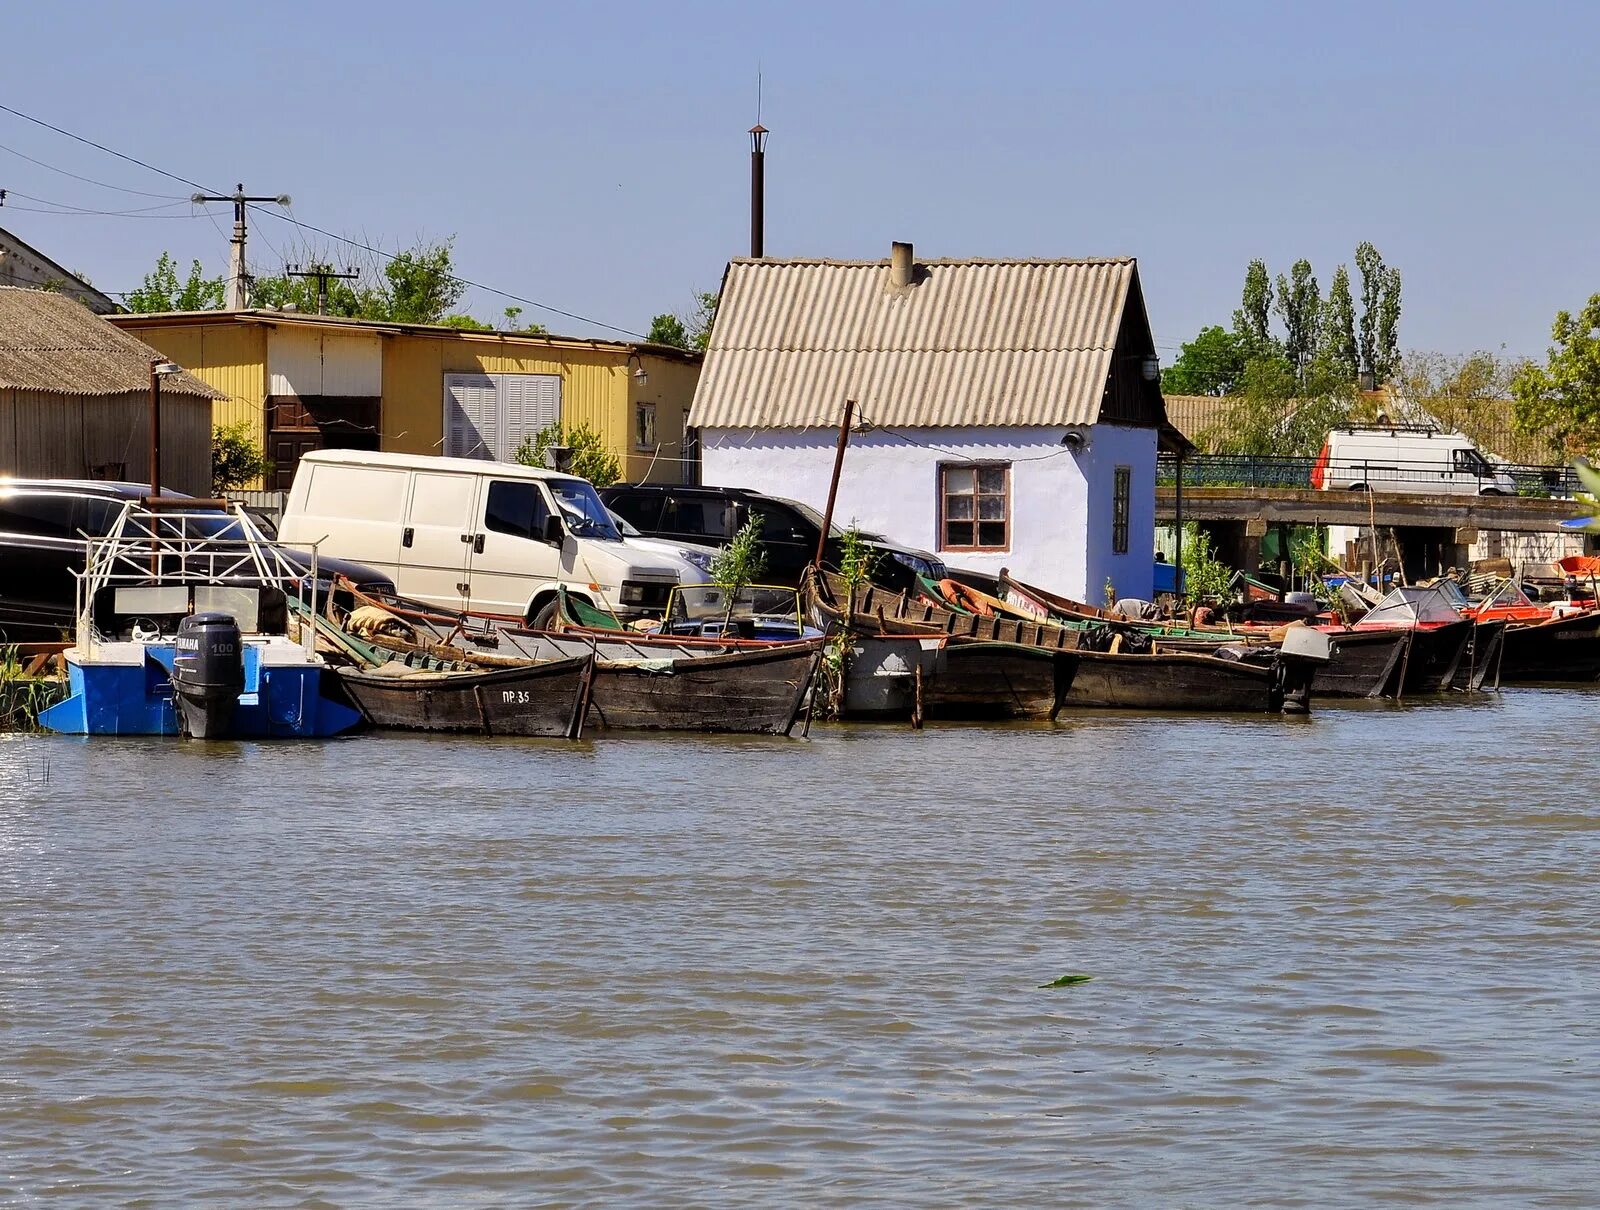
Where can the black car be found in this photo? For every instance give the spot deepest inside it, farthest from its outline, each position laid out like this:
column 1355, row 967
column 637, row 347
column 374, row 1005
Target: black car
column 44, row 524
column 709, row 516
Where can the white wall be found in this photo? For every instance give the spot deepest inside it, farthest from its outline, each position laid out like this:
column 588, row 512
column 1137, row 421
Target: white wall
column 1060, row 535
column 310, row 361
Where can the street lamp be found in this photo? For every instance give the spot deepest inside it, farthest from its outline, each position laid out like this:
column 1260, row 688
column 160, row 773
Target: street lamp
column 160, row 367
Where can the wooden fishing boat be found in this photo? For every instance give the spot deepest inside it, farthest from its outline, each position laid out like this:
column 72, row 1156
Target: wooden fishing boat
column 655, row 685
column 640, row 682
column 547, row 698
column 1263, row 681
column 1482, row 658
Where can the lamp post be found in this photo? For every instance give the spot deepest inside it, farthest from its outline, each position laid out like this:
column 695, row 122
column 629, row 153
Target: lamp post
column 159, row 369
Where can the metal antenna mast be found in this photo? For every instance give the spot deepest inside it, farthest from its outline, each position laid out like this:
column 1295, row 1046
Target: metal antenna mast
column 238, row 277
column 323, row 274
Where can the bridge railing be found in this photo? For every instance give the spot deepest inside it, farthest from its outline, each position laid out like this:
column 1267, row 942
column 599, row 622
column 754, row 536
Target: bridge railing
column 1262, row 471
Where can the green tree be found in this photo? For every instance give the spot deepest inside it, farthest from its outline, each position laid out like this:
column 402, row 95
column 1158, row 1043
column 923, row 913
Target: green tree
column 236, row 457
column 1380, row 314
column 701, row 322
column 1252, row 322
column 668, row 329
column 1562, row 396
column 1337, row 345
column 1298, row 303
column 279, row 291
column 591, row 459
column 422, row 285
column 162, row 291
column 1210, row 364
column 466, row 323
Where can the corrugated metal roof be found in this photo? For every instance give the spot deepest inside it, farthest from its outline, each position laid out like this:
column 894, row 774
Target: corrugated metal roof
column 52, row 343
column 972, row 342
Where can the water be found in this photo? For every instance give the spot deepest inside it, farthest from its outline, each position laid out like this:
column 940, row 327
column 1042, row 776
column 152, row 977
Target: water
column 1350, row 961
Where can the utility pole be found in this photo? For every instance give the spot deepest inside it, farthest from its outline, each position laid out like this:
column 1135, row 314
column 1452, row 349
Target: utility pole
column 324, row 274
column 238, row 277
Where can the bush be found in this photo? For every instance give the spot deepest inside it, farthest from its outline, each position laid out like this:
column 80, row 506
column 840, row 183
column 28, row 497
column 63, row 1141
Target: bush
column 591, row 459
column 236, row 457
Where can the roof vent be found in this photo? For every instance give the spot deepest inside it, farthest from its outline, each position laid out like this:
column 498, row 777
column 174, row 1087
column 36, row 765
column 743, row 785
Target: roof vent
column 902, row 270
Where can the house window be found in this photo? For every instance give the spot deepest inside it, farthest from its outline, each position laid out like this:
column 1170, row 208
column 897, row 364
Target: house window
column 1121, row 493
column 975, row 506
column 644, row 426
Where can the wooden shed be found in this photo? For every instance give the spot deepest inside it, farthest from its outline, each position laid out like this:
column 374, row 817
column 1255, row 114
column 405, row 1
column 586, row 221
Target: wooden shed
column 75, row 399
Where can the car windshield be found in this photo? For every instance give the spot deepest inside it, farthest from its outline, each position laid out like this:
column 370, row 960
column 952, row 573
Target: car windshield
column 582, row 510
column 699, row 602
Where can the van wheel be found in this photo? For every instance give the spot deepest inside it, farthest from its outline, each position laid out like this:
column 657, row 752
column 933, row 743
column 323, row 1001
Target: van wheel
column 543, row 619
column 1491, row 491
column 1359, row 487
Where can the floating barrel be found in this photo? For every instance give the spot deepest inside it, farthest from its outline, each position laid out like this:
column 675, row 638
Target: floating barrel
column 207, row 674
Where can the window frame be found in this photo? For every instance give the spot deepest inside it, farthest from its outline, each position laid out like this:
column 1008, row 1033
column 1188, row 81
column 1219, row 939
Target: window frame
column 644, row 434
column 943, row 534
column 1121, row 508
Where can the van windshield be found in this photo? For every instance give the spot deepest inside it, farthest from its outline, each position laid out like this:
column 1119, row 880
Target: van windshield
column 582, row 510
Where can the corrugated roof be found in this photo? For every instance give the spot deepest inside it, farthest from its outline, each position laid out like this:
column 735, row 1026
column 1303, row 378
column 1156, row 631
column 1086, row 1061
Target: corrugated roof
column 972, row 342
column 49, row 342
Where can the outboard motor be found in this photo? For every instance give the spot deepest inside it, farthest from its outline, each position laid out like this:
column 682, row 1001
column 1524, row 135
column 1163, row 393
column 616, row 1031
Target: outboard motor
column 1303, row 651
column 207, row 674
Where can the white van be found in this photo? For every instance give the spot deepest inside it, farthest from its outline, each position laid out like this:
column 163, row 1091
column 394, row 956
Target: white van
column 1398, row 458
column 490, row 537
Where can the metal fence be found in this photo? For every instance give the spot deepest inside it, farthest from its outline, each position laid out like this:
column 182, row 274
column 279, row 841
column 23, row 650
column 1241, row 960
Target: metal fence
column 1251, row 470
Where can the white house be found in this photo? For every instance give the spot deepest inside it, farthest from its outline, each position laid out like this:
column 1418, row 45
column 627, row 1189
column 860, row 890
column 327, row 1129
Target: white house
column 1007, row 411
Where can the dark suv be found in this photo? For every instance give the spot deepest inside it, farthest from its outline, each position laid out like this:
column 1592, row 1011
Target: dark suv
column 709, row 516
column 43, row 527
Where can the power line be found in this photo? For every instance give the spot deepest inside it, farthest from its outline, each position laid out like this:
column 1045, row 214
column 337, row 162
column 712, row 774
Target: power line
column 86, row 179
column 343, row 239
column 70, row 208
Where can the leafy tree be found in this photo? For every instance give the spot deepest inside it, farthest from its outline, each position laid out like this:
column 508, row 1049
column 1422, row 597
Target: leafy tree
column 279, row 290
column 1210, row 364
column 1282, row 415
column 1563, row 395
column 162, row 291
column 1204, row 575
column 1380, row 314
column 1252, row 321
column 422, row 285
column 668, row 329
column 466, row 323
column 512, row 314
column 1337, row 345
column 702, row 321
column 591, row 459
column 1298, row 302
column 236, row 457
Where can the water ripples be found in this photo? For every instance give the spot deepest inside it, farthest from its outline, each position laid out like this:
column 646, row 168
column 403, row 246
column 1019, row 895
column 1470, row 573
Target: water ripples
column 1338, row 962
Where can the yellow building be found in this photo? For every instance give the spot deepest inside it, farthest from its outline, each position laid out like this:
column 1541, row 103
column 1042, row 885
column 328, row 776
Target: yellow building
column 305, row 382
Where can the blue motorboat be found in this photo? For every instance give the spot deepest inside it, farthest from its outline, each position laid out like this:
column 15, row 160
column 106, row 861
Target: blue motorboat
column 184, row 629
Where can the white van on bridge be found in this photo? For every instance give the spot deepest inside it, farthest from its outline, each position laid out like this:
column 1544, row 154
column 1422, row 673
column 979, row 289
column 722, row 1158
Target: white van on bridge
column 1402, row 458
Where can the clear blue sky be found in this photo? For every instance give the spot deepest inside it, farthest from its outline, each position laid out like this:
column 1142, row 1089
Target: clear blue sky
column 593, row 156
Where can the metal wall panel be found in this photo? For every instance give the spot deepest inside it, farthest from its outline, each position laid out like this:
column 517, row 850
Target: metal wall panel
column 313, row 361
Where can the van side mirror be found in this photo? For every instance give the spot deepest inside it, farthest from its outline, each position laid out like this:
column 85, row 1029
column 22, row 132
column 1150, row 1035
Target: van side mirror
column 554, row 532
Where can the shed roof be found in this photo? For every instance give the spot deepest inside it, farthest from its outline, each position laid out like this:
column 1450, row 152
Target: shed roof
column 52, row 343
column 342, row 323
column 971, row 342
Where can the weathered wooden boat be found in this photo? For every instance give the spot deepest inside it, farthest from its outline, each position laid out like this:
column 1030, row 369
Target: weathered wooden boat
column 640, row 682
column 1483, row 657
column 1088, row 669
column 1362, row 663
column 548, row 698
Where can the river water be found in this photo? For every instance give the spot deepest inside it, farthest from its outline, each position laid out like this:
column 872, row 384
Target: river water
column 1350, row 960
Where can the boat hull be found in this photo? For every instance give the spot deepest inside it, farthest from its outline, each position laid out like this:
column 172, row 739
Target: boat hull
column 544, row 699
column 1176, row 681
column 130, row 692
column 748, row 692
column 1431, row 659
column 996, row 681
column 1560, row 650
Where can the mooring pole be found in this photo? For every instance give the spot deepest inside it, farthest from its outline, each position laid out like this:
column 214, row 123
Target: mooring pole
column 833, row 485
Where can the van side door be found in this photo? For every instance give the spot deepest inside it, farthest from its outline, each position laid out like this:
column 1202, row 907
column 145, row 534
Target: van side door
column 512, row 559
column 436, row 544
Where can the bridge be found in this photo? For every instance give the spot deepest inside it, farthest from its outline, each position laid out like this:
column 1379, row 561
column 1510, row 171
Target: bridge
column 1306, row 506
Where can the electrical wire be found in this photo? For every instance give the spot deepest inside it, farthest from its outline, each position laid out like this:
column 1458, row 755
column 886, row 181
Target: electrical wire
column 343, row 239
column 88, row 180
column 70, row 208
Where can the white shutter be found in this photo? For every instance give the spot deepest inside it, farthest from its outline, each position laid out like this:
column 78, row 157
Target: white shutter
column 471, row 416
column 528, row 403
